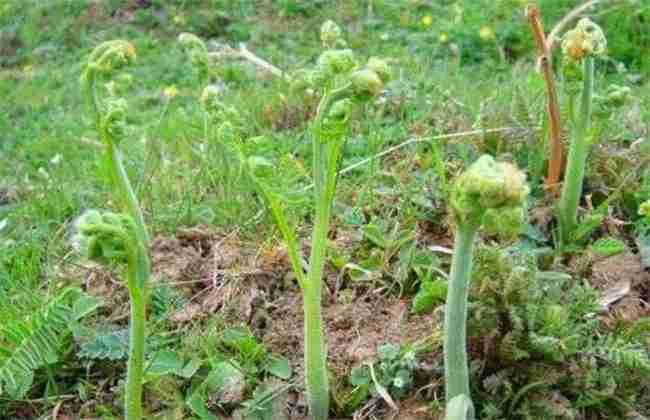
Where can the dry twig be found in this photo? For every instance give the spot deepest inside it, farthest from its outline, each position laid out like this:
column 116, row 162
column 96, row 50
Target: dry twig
column 243, row 53
column 556, row 159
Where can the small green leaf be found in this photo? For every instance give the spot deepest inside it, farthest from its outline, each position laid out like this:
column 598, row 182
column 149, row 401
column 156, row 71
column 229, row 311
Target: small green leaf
column 587, row 226
column 268, row 402
column 85, row 305
column 197, row 404
column 112, row 346
column 225, row 383
column 360, row 376
column 234, row 337
column 388, row 352
column 279, row 366
column 165, row 362
column 375, row 235
column 190, row 368
column 608, row 246
column 431, row 292
column 358, row 395
column 359, row 273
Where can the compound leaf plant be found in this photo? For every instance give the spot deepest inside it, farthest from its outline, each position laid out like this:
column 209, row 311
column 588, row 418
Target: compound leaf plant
column 341, row 85
column 485, row 190
column 117, row 239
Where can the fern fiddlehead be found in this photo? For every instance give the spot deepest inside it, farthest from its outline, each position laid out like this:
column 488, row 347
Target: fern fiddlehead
column 342, row 86
column 328, row 135
column 112, row 238
column 580, row 47
column 486, row 186
column 197, row 52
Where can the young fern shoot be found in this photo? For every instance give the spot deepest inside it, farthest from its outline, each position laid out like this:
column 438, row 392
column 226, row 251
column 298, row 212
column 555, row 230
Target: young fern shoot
column 342, row 86
column 580, row 47
column 197, row 52
column 110, row 238
column 485, row 187
column 221, row 123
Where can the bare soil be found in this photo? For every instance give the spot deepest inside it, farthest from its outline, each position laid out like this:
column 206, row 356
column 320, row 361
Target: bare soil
column 254, row 287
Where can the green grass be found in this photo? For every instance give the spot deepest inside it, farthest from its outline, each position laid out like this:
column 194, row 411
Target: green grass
column 48, row 162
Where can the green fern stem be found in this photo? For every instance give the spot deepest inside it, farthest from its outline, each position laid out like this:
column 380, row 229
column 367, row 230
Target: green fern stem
column 577, row 159
column 138, row 274
column 455, row 352
column 486, row 186
column 89, row 92
column 326, row 154
column 135, row 367
column 128, row 199
column 109, row 117
column 460, row 408
column 315, row 350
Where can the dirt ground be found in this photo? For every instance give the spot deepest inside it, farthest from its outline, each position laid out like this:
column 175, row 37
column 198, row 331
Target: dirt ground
column 252, row 286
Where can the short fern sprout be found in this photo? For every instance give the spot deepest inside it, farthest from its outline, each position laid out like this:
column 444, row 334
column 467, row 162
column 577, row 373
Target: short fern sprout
column 331, row 35
column 197, row 52
column 215, row 109
column 112, row 121
column 580, row 47
column 486, row 189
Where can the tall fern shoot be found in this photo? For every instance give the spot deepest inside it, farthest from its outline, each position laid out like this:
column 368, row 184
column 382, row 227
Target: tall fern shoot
column 117, row 238
column 580, row 48
column 342, row 86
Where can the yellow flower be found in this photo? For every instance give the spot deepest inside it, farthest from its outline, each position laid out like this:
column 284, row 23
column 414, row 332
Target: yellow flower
column 179, row 19
column 443, row 38
column 486, row 33
column 130, row 51
column 427, row 21
column 404, row 20
column 644, row 209
column 170, row 92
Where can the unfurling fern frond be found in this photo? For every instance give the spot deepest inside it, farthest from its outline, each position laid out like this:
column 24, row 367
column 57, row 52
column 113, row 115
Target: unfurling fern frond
column 25, row 346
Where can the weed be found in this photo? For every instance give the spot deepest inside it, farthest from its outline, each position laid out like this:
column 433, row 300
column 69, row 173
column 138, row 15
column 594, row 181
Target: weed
column 391, row 373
